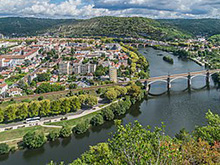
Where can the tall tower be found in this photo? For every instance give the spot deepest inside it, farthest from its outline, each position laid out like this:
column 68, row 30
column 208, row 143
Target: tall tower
column 113, row 74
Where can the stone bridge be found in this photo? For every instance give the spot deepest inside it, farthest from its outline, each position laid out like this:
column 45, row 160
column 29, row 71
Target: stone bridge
column 138, row 45
column 188, row 76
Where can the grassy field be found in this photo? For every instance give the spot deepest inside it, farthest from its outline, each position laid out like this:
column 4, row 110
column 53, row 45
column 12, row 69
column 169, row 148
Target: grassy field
column 74, row 122
column 19, row 133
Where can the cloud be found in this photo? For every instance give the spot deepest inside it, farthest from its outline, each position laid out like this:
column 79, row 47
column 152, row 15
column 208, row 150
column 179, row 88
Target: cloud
column 93, row 8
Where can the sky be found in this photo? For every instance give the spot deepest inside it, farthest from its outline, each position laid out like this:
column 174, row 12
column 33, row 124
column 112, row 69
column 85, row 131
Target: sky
column 93, row 8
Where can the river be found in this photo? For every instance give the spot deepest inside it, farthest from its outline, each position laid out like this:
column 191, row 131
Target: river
column 177, row 110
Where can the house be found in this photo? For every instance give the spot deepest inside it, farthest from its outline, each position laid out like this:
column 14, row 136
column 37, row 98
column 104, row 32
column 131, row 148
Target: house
column 14, row 92
column 3, row 88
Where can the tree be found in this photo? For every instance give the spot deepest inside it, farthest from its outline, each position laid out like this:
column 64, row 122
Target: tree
column 73, row 86
column 33, row 140
column 97, row 120
column 65, row 105
column 74, row 103
column 53, row 135
column 10, row 113
column 44, row 108
column 65, row 132
column 210, row 132
column 33, row 108
column 43, row 77
column 22, row 111
column 134, row 90
column 108, row 114
column 4, row 148
column 111, row 95
column 55, row 107
column 91, row 100
column 88, row 100
column 81, row 127
column 1, row 115
column 122, row 90
column 47, row 87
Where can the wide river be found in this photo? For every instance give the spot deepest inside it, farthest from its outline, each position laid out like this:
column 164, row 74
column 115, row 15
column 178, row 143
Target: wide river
column 177, row 110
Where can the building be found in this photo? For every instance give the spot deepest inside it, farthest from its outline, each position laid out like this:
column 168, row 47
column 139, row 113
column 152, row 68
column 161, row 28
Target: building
column 64, row 67
column 3, row 88
column 113, row 74
column 84, row 68
column 1, row 36
column 14, row 92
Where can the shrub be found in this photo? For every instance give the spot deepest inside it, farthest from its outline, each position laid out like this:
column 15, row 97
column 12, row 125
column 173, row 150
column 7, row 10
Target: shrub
column 65, row 132
column 4, row 148
column 97, row 120
column 40, row 98
column 53, row 135
column 108, row 114
column 81, row 127
column 33, row 140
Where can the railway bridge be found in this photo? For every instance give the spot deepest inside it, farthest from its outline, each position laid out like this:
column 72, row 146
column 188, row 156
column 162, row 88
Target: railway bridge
column 188, row 76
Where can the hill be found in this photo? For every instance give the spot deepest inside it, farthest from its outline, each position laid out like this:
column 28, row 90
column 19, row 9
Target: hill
column 18, row 26
column 195, row 27
column 121, row 27
column 99, row 26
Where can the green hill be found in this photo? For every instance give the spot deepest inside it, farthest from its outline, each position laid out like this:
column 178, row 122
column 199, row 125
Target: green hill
column 203, row 27
column 28, row 26
column 121, row 27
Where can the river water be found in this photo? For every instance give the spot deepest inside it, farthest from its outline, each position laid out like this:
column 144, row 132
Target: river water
column 177, row 110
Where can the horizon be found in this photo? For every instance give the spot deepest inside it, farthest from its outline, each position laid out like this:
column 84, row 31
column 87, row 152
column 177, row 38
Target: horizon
column 111, row 16
column 84, row 9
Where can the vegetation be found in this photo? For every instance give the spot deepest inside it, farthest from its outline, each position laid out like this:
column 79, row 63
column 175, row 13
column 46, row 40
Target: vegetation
column 81, row 127
column 4, row 148
column 17, row 112
column 121, row 27
column 28, row 26
column 47, row 87
column 156, row 148
column 168, row 59
column 53, row 135
column 33, row 140
column 194, row 26
column 97, row 120
column 65, row 132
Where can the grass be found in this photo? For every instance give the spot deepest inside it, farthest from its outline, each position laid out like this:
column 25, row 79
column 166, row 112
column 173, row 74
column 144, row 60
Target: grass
column 74, row 122
column 19, row 133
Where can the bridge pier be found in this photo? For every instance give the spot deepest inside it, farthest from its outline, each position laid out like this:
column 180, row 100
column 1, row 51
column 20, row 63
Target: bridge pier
column 168, row 84
column 147, row 86
column 189, row 81
column 208, row 79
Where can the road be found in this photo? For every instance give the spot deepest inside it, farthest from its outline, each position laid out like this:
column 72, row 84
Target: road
column 58, row 118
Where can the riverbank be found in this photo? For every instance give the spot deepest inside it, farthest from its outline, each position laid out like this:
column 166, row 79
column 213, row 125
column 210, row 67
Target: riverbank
column 13, row 137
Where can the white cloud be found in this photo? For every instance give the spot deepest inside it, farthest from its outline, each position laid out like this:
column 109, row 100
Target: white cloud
column 92, row 8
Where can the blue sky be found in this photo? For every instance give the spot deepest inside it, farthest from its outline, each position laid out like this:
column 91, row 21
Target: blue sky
column 94, row 8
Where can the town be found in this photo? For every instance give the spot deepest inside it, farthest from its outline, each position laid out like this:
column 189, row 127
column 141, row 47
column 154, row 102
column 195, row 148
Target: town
column 29, row 64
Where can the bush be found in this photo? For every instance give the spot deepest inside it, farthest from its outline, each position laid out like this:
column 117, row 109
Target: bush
column 81, row 127
column 53, row 135
column 65, row 132
column 40, row 98
column 97, row 120
column 33, row 140
column 108, row 114
column 4, row 148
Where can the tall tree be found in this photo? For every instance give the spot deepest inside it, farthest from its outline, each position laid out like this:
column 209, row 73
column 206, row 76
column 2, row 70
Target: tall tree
column 33, row 108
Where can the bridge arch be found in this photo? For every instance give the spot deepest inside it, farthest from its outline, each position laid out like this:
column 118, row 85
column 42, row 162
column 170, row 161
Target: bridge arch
column 197, row 75
column 180, row 77
column 157, row 81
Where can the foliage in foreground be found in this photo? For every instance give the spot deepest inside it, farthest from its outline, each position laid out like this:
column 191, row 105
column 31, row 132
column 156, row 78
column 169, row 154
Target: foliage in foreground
column 133, row 144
